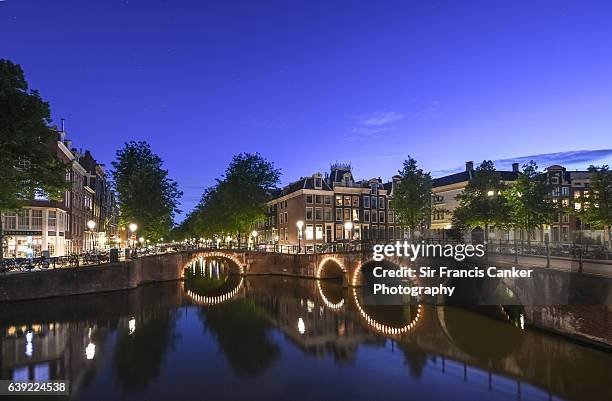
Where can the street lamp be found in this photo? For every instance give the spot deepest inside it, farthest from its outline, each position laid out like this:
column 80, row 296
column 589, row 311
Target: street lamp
column 299, row 225
column 132, row 227
column 349, row 227
column 91, row 225
column 141, row 240
column 254, row 235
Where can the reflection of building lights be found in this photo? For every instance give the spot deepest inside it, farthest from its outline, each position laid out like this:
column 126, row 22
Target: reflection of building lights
column 522, row 320
column 132, row 325
column 29, row 346
column 90, row 351
column 301, row 326
column 310, row 305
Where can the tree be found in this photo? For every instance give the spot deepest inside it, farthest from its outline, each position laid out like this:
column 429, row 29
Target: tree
column 236, row 202
column 529, row 199
column 412, row 195
column 482, row 202
column 596, row 205
column 146, row 196
column 28, row 158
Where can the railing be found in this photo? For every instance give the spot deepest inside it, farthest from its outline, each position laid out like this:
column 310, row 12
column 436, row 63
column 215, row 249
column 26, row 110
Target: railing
column 575, row 252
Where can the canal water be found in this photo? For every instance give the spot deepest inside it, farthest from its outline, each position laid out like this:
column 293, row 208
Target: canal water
column 219, row 336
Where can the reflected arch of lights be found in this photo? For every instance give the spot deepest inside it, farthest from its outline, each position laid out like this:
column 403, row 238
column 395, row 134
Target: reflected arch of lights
column 327, row 302
column 383, row 328
column 215, row 300
column 325, row 260
column 228, row 256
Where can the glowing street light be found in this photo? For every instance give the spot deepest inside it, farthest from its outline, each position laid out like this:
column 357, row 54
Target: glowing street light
column 133, row 227
column 490, row 193
column 91, row 225
column 301, row 326
column 299, row 225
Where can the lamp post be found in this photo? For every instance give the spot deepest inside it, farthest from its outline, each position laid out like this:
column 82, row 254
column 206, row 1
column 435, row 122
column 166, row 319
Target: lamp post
column 132, row 227
column 299, row 225
column 91, row 225
column 254, row 235
column 349, row 227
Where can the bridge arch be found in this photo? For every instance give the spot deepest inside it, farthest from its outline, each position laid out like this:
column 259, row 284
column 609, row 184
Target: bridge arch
column 216, row 254
column 319, row 273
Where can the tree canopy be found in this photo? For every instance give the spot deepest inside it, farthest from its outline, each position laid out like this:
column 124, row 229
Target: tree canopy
column 28, row 155
column 146, row 195
column 529, row 199
column 412, row 195
column 596, row 208
column 236, row 202
column 483, row 203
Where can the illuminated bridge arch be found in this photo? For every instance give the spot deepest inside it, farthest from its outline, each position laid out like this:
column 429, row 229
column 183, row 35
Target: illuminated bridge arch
column 321, row 266
column 215, row 254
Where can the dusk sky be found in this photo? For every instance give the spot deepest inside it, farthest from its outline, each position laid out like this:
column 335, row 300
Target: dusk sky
column 309, row 83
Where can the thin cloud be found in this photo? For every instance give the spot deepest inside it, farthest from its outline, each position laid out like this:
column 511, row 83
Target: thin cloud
column 381, row 118
column 373, row 125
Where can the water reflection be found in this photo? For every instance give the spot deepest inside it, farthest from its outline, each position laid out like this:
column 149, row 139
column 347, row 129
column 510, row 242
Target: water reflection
column 292, row 339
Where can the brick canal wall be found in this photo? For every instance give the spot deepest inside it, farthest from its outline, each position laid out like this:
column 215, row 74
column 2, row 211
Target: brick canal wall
column 91, row 279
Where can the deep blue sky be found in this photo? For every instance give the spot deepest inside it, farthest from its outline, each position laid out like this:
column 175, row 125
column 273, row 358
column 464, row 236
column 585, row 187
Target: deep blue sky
column 308, row 83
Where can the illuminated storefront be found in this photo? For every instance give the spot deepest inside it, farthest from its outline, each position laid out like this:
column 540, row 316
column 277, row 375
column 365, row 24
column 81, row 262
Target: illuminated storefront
column 31, row 231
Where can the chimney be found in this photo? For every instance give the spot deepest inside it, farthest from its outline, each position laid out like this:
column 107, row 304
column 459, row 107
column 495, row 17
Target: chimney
column 515, row 167
column 63, row 121
column 469, row 166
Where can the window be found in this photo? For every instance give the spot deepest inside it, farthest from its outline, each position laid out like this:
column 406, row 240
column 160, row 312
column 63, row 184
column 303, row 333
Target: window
column 327, row 200
column 347, row 200
column 391, row 233
column 347, row 214
column 374, row 216
column 308, row 213
column 318, row 213
column 355, row 214
column 555, row 191
column 366, row 215
column 23, row 220
column 286, row 218
column 328, row 214
column 374, row 232
column 438, row 215
column 373, row 189
column 37, row 219
column 381, row 232
column 319, row 231
column 366, row 202
column 390, row 217
column 339, row 231
column 318, row 199
column 564, row 234
column 52, row 219
column 565, row 218
column 10, row 221
column 309, row 198
column 381, row 202
column 355, row 201
column 338, row 200
column 381, row 217
column 565, row 191
column 318, row 182
column 374, row 202
column 338, row 214
column 309, row 232
column 389, row 204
